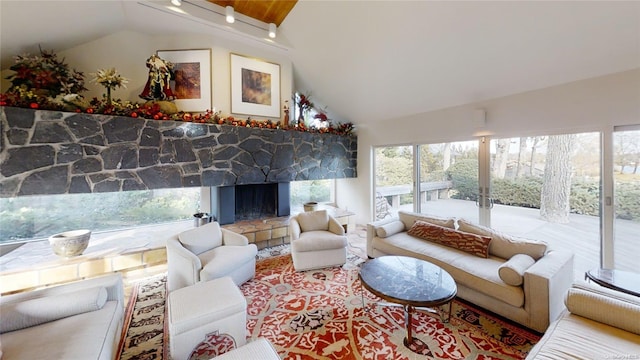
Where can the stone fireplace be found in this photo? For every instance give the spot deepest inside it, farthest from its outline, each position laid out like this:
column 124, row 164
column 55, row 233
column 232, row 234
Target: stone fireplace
column 53, row 152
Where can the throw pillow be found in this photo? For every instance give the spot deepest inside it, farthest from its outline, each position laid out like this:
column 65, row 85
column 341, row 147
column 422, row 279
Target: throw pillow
column 314, row 220
column 38, row 311
column 409, row 218
column 512, row 271
column 503, row 245
column 202, row 238
column 471, row 243
column 389, row 229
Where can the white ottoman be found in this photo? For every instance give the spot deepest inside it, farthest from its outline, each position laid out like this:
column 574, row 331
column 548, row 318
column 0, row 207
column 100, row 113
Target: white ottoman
column 206, row 307
column 259, row 348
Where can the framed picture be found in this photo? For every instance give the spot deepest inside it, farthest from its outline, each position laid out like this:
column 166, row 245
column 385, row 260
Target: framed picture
column 255, row 87
column 191, row 81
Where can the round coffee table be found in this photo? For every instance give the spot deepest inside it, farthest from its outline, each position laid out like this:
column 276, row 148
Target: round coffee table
column 410, row 282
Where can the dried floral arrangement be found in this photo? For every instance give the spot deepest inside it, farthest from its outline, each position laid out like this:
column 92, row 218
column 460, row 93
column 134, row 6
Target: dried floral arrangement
column 45, row 82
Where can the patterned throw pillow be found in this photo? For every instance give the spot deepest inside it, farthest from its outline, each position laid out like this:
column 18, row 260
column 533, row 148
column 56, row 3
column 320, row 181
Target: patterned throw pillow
column 471, row 243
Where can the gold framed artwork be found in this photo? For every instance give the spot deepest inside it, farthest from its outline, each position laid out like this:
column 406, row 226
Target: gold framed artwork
column 255, row 87
column 191, row 80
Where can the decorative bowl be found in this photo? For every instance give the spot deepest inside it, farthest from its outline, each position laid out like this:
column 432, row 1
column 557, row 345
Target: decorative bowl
column 70, row 243
column 310, row 206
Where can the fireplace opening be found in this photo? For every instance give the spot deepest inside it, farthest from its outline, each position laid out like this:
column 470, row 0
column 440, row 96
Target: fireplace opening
column 256, row 201
column 250, row 202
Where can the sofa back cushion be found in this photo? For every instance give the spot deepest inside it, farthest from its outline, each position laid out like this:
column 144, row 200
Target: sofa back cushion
column 314, row 220
column 605, row 306
column 24, row 314
column 503, row 245
column 408, row 218
column 202, row 238
column 471, row 243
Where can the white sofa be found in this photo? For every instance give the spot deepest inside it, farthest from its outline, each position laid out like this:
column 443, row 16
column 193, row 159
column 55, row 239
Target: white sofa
column 80, row 320
column 519, row 279
column 599, row 324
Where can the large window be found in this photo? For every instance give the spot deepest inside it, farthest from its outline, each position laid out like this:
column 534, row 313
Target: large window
column 547, row 187
column 320, row 191
column 626, row 176
column 393, row 180
column 36, row 217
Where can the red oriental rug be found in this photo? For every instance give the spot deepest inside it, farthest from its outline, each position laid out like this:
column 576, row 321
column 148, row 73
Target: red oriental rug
column 319, row 314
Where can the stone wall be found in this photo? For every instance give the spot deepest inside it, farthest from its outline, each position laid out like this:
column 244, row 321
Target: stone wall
column 51, row 152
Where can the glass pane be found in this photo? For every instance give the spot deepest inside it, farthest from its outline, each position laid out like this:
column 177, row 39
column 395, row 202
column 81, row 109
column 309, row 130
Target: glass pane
column 320, row 191
column 393, row 180
column 626, row 174
column 38, row 217
column 548, row 188
column 449, row 179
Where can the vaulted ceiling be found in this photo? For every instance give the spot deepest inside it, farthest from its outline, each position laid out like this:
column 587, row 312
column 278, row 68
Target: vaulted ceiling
column 380, row 60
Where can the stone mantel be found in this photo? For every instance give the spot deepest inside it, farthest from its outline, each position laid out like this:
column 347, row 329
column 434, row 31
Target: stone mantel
column 52, row 152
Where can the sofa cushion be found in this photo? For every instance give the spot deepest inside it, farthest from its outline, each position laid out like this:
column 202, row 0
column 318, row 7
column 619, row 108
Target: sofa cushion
column 38, row 311
column 202, row 238
column 503, row 245
column 224, row 260
column 90, row 335
column 408, row 218
column 471, row 243
column 512, row 272
column 313, row 220
column 318, row 240
column 607, row 307
column 389, row 229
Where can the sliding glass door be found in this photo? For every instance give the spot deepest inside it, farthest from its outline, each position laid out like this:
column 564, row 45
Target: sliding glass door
column 393, row 180
column 548, row 188
column 626, row 177
column 448, row 180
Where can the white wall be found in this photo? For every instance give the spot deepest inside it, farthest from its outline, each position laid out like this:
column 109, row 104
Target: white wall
column 128, row 51
column 596, row 104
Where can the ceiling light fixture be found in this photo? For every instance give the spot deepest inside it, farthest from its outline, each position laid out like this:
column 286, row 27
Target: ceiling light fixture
column 272, row 30
column 176, row 2
column 230, row 17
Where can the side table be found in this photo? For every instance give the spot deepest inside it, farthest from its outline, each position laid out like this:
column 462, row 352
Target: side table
column 623, row 281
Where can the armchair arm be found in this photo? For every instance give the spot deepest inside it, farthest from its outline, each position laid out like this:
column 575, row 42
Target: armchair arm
column 294, row 229
column 335, row 227
column 545, row 284
column 232, row 238
column 371, row 232
column 183, row 266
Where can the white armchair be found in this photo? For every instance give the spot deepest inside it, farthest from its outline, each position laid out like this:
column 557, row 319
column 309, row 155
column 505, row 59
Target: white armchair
column 209, row 252
column 317, row 241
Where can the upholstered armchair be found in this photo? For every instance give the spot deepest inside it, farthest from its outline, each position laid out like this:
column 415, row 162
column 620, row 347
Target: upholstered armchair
column 317, row 241
column 209, row 252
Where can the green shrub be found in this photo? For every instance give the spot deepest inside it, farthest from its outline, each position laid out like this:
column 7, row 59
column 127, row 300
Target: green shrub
column 523, row 192
column 464, row 175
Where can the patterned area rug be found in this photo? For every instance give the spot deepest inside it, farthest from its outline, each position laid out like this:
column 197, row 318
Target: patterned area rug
column 319, row 315
column 145, row 331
